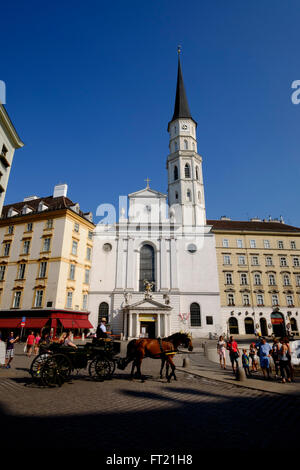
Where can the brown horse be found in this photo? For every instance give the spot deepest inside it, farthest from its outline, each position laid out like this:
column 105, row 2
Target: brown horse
column 163, row 349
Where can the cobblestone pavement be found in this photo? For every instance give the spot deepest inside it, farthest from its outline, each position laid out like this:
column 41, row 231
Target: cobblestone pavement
column 190, row 415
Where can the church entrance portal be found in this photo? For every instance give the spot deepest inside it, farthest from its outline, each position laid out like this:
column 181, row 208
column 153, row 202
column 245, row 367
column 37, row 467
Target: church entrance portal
column 147, row 329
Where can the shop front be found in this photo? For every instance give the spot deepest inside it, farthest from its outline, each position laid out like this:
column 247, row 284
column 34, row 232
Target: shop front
column 55, row 321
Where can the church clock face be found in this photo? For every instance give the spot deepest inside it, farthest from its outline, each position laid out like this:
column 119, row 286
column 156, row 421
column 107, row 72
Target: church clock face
column 185, row 126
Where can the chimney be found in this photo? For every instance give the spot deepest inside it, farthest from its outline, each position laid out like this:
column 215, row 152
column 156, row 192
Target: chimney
column 60, row 190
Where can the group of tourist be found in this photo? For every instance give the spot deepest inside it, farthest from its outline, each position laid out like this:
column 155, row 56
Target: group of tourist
column 260, row 352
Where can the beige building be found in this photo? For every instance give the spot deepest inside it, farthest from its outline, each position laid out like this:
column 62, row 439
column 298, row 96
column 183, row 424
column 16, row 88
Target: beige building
column 259, row 275
column 45, row 260
column 9, row 142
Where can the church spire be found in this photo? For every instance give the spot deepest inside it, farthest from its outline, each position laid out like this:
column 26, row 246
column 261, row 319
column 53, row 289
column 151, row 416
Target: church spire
column 181, row 108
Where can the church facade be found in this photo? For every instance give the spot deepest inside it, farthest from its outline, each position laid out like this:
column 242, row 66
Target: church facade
column 154, row 272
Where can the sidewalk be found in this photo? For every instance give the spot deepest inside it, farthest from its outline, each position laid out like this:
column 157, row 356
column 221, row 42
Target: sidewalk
column 202, row 367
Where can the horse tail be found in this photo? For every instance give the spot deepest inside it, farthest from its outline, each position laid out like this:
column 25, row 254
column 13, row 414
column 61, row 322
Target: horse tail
column 130, row 356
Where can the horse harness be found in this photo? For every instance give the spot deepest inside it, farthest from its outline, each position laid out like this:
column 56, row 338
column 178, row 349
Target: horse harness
column 163, row 352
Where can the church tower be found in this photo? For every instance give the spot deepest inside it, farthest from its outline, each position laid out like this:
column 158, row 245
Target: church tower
column 184, row 164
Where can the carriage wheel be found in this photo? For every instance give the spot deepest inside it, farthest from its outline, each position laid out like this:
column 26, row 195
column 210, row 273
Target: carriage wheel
column 56, row 370
column 100, row 368
column 112, row 363
column 37, row 364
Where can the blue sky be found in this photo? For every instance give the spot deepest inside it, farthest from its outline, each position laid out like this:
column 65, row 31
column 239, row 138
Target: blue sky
column 91, row 88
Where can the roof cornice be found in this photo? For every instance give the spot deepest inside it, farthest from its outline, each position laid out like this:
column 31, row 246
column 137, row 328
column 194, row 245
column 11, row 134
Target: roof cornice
column 9, row 127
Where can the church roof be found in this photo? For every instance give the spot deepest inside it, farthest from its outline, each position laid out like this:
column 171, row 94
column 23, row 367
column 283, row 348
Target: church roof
column 181, row 108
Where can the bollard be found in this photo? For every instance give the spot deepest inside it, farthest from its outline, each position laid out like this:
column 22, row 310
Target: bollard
column 240, row 374
column 186, row 362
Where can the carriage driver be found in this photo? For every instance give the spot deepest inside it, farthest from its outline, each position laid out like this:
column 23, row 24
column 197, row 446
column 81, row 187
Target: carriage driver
column 101, row 329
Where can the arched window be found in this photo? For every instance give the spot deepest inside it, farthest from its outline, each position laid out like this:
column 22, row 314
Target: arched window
column 175, row 173
column 186, row 145
column 176, row 195
column 197, row 173
column 249, row 326
column 195, row 314
column 233, row 326
column 189, row 195
column 103, row 311
column 187, row 171
column 147, row 266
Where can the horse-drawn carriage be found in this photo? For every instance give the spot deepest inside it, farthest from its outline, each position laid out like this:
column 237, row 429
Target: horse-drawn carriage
column 55, row 363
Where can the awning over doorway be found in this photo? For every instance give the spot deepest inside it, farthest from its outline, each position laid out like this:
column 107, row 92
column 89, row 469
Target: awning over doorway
column 35, row 322
column 10, row 322
column 84, row 324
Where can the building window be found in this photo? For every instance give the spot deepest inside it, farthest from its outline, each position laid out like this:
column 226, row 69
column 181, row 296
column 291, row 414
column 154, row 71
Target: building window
column 84, row 302
column 187, row 171
column 29, row 227
column 257, row 279
column 227, row 259
column 209, row 320
column 242, row 260
column 195, row 314
column 46, row 244
column 26, row 247
column 293, row 245
column 283, row 261
column 186, row 144
column 272, row 280
column 296, row 262
column 176, row 195
column 147, row 266
column 230, row 299
column 255, row 261
column 260, row 299
column 43, row 269
column 74, row 247
column 11, row 229
column 39, row 298
column 69, row 299
column 189, row 195
column 286, row 280
column 297, row 278
column 90, row 235
column 266, row 244
column 197, row 173
column 72, row 272
column 6, row 249
column 289, row 300
column 49, row 224
column 228, row 278
column 21, row 271
column 246, row 300
column 88, row 253
column 175, row 173
column 17, row 299
column 252, row 244
column 87, row 276
column 103, row 311
column 280, row 244
column 76, row 227
column 275, row 300
column 3, row 267
column 225, row 243
column 269, row 261
column 239, row 243
column 244, row 279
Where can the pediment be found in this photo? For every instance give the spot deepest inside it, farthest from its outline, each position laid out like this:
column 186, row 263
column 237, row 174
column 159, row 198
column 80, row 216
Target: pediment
column 147, row 304
column 147, row 193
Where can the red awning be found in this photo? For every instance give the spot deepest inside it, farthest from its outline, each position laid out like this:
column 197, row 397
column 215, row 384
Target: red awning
column 10, row 322
column 84, row 324
column 35, row 322
column 68, row 323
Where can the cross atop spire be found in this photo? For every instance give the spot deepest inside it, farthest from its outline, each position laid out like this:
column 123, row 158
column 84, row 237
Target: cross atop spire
column 147, row 181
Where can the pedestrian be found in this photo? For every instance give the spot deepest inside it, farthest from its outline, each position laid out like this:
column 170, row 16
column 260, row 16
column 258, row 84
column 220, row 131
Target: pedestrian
column 221, row 349
column 284, row 354
column 289, row 355
column 252, row 355
column 37, row 343
column 246, row 363
column 275, row 356
column 10, row 344
column 234, row 353
column 264, row 357
column 30, row 343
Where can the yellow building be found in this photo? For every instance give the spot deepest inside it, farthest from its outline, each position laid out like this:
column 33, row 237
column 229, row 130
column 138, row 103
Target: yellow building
column 45, row 261
column 259, row 275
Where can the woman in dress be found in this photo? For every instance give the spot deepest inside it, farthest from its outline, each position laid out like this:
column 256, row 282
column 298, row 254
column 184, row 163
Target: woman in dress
column 221, row 349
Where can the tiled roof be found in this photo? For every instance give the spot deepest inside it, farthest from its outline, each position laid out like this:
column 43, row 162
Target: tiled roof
column 51, row 202
column 244, row 225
